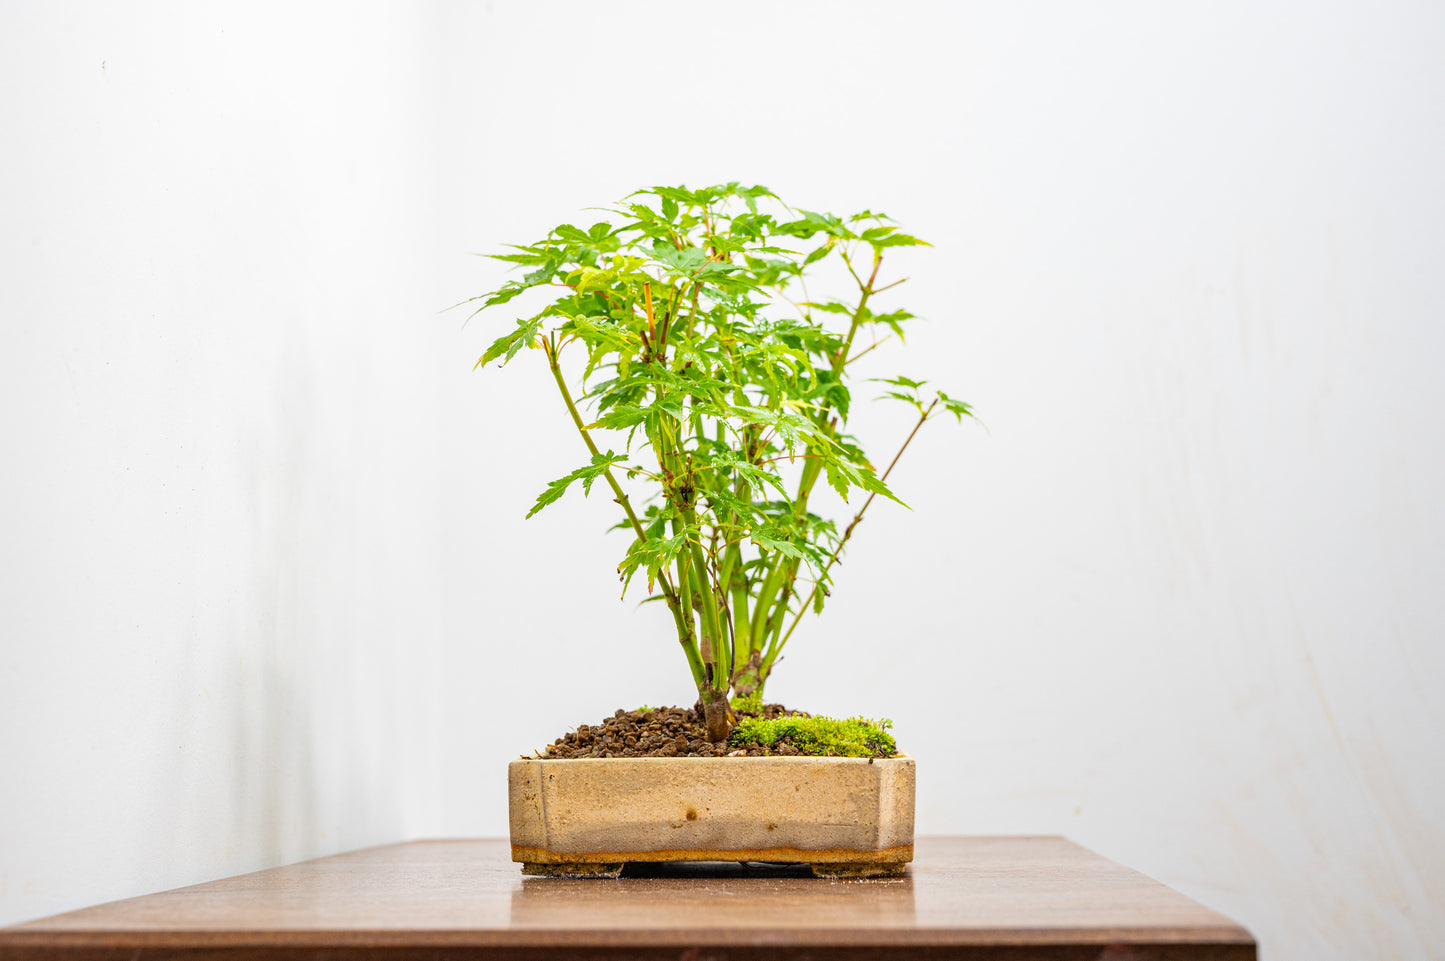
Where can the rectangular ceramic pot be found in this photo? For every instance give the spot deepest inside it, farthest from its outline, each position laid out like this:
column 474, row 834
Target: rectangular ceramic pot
column 589, row 816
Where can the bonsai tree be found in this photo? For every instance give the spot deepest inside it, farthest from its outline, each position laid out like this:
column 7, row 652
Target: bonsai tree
column 712, row 399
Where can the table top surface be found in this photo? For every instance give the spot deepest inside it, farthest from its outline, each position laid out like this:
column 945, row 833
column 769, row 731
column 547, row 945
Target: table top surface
column 970, row 891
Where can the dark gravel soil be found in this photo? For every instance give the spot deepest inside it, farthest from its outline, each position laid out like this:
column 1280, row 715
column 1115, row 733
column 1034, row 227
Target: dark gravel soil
column 661, row 732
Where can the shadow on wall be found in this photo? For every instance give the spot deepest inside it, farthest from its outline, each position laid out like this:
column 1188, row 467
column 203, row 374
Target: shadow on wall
column 276, row 793
column 277, row 633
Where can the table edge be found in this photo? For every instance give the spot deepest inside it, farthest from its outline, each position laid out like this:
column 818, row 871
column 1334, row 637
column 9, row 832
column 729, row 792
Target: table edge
column 548, row 937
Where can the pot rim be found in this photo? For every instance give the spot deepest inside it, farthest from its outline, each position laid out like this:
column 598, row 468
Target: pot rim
column 770, row 757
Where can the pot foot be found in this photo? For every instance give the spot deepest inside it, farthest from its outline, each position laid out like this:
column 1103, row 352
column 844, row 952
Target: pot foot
column 859, row 869
column 572, row 869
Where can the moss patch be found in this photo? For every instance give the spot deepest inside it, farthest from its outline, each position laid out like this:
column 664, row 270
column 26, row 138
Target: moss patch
column 818, row 736
column 751, row 704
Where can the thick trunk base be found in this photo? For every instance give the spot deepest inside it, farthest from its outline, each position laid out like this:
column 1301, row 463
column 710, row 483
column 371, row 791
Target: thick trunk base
column 717, row 717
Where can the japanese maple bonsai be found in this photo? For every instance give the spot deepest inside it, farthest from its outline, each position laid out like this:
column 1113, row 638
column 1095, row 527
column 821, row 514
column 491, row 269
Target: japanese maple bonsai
column 712, row 393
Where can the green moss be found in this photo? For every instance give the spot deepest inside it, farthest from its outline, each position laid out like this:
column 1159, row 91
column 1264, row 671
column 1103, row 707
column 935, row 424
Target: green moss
column 819, row 736
column 751, row 704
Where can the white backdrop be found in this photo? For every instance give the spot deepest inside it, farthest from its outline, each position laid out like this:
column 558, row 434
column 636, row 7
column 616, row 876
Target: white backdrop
column 267, row 589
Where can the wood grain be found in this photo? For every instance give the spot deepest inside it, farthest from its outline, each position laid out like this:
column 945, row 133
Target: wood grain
column 1014, row 898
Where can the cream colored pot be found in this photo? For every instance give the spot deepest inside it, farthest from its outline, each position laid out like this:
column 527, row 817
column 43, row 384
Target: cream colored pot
column 589, row 816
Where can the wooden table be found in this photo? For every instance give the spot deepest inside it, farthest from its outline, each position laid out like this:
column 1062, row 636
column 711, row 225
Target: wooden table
column 989, row 897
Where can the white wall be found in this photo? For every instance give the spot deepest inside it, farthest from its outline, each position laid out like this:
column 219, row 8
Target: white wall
column 1177, row 603
column 221, row 434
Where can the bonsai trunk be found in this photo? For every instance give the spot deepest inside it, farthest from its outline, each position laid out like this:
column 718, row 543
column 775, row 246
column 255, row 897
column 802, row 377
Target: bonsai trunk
column 715, row 714
column 749, row 679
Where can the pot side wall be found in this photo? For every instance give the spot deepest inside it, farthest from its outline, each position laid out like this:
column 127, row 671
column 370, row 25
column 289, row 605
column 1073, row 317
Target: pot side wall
column 801, row 809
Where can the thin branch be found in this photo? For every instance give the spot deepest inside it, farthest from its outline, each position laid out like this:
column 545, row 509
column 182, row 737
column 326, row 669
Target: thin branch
column 848, row 262
column 873, row 346
column 849, row 531
column 684, row 634
column 550, row 349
